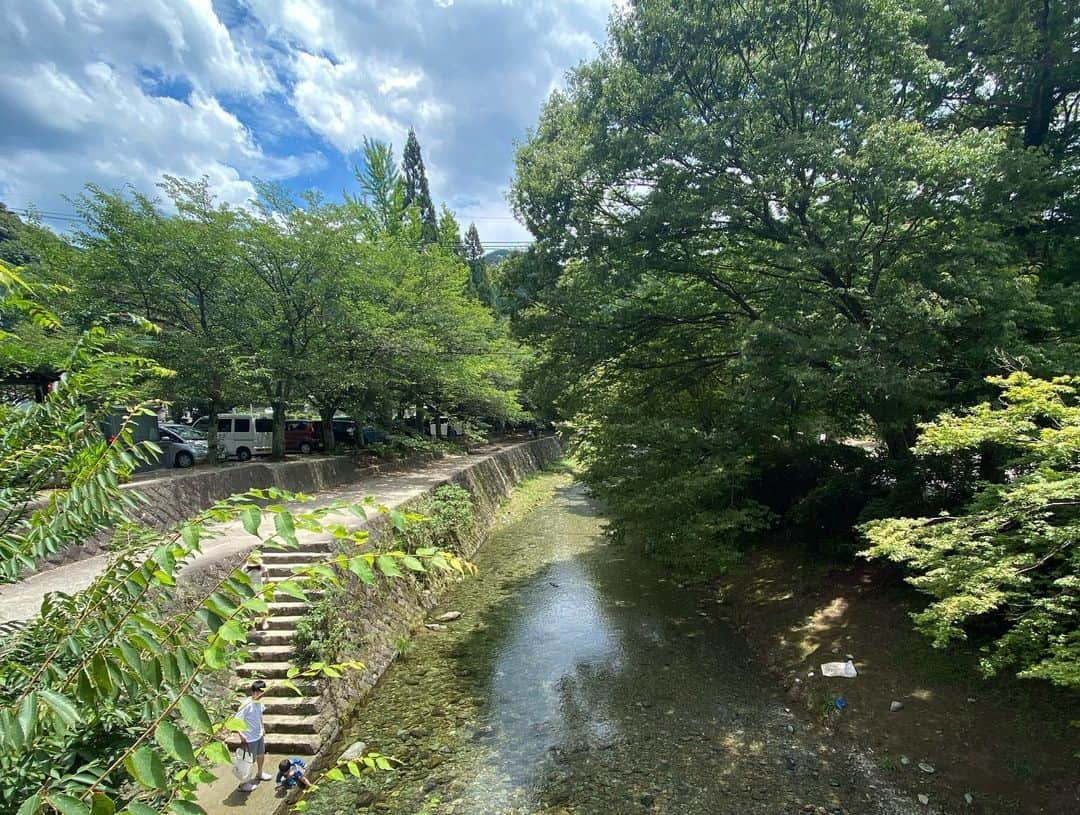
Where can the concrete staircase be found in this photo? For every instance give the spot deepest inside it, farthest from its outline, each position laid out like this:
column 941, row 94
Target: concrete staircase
column 293, row 723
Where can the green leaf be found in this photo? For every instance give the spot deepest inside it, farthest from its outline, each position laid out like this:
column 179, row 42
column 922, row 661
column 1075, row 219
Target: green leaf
column 283, row 523
column 232, row 631
column 139, row 808
column 286, row 683
column 182, row 807
column 358, row 511
column 99, row 667
column 145, row 766
column 61, row 706
column 215, row 657
column 251, row 517
column 28, row 715
column 361, row 568
column 354, row 769
column 67, row 805
column 235, row 725
column 101, row 804
column 388, row 566
column 175, row 743
column 291, row 589
column 195, row 715
column 190, row 534
column 398, row 520
column 216, row 752
column 335, row 774
column 382, row 763
column 31, row 806
column 412, row 563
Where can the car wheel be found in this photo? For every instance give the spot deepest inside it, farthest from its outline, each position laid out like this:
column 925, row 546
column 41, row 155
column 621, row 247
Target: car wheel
column 184, row 459
column 305, row 447
column 243, row 454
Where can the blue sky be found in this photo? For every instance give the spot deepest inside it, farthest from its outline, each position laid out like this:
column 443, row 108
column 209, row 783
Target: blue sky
column 119, row 92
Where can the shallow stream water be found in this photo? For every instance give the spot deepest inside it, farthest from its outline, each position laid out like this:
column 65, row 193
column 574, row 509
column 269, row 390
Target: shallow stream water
column 580, row 678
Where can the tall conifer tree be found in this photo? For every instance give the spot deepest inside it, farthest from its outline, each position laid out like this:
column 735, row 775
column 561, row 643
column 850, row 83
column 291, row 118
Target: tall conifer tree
column 478, row 276
column 416, row 188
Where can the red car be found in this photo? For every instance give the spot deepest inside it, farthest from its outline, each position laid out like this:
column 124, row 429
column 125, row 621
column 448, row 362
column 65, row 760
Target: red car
column 301, row 436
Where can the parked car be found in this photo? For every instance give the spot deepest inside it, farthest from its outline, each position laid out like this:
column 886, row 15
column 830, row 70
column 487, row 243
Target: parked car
column 243, row 435
column 177, row 451
column 344, row 431
column 188, row 435
column 301, row 435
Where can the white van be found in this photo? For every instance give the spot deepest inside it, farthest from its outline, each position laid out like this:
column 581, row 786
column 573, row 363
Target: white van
column 243, row 435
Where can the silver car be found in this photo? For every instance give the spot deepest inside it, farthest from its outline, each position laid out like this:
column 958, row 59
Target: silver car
column 181, row 446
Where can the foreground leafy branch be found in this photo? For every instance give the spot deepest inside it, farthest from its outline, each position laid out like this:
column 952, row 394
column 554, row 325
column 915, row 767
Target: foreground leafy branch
column 1011, row 558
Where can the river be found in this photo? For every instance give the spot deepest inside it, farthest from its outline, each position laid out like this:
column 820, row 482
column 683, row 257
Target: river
column 581, row 678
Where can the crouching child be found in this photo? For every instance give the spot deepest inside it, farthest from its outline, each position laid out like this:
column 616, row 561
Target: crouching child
column 291, row 774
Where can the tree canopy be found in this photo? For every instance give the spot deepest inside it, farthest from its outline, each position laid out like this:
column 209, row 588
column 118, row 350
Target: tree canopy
column 763, row 229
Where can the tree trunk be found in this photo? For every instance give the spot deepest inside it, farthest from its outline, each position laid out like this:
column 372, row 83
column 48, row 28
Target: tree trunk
column 278, row 451
column 899, row 441
column 327, row 416
column 211, row 435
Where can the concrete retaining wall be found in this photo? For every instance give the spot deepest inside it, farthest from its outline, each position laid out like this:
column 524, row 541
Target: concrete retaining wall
column 167, row 500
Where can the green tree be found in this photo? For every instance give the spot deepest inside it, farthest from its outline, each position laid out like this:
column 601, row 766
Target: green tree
column 450, row 233
column 751, row 230
column 181, row 272
column 416, row 189
column 1011, row 555
column 478, row 275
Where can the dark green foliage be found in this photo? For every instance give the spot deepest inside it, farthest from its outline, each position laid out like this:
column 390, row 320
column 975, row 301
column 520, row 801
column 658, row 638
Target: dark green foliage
column 478, row 275
column 758, row 223
column 417, row 193
column 321, row 634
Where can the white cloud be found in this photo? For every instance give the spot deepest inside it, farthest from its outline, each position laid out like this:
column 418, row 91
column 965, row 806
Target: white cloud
column 84, row 83
column 346, row 100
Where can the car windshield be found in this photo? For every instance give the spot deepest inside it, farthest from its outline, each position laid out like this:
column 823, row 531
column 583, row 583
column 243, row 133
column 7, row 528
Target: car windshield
column 186, row 433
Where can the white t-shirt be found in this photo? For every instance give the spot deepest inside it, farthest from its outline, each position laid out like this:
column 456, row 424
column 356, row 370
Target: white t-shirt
column 251, row 712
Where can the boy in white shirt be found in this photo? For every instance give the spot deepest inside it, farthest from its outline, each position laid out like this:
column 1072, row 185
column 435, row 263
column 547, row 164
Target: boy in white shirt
column 253, row 740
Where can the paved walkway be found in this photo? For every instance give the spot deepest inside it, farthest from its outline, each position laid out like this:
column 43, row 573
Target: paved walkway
column 20, row 601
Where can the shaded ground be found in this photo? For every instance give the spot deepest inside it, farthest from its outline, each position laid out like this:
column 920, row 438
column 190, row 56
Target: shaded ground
column 1007, row 743
column 581, row 679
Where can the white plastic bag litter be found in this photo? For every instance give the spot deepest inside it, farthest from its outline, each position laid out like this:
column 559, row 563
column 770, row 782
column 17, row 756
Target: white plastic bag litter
column 844, row 669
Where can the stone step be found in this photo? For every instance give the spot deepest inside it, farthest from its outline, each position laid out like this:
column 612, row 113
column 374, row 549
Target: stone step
column 287, row 608
column 292, row 705
column 278, row 636
column 271, row 559
column 296, row 744
column 287, row 621
column 308, row 689
column 271, row 653
column 264, row 670
column 291, row 724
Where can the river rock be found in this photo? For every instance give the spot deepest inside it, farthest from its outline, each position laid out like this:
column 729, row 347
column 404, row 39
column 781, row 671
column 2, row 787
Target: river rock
column 448, row 617
column 926, row 768
column 896, row 706
column 435, row 627
column 355, row 751
column 969, row 799
column 924, row 799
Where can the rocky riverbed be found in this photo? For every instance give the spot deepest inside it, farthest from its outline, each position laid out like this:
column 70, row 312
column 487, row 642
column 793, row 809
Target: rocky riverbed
column 581, row 678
